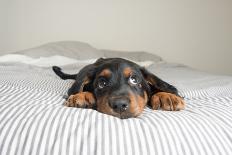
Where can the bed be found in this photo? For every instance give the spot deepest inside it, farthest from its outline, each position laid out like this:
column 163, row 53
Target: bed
column 34, row 121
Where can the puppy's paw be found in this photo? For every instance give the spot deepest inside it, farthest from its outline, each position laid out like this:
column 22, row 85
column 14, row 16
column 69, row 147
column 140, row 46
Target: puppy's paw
column 167, row 101
column 81, row 100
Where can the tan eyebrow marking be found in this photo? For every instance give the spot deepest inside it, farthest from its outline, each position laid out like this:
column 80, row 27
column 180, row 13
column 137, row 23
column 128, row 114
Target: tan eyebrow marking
column 127, row 71
column 105, row 73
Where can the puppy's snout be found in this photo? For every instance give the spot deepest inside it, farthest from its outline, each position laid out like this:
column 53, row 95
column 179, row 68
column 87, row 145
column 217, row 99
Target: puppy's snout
column 119, row 104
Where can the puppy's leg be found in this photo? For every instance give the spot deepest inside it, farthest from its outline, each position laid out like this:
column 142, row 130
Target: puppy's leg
column 167, row 101
column 81, row 100
column 163, row 95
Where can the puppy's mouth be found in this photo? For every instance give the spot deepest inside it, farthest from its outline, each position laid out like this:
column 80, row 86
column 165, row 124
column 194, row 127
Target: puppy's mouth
column 120, row 114
column 124, row 115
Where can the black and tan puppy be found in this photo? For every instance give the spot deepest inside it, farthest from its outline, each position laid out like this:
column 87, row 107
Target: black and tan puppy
column 119, row 87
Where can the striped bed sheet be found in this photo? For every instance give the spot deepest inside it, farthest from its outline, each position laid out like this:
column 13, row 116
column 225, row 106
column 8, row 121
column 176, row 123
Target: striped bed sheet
column 33, row 120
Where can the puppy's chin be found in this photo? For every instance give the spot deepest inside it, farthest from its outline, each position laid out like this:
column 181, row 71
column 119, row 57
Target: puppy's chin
column 128, row 115
column 122, row 115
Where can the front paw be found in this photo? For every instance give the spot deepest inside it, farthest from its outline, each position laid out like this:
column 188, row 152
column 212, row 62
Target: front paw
column 167, row 101
column 81, row 100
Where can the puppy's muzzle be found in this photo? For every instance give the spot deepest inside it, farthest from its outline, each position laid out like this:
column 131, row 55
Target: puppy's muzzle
column 119, row 105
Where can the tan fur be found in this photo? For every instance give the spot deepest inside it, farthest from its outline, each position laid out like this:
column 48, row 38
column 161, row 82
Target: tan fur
column 127, row 72
column 103, row 106
column 105, row 73
column 167, row 101
column 81, row 100
column 137, row 103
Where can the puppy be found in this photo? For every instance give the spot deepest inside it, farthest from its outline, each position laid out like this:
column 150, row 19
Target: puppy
column 119, row 87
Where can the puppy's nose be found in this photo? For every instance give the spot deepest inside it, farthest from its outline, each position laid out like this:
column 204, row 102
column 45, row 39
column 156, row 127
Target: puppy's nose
column 119, row 104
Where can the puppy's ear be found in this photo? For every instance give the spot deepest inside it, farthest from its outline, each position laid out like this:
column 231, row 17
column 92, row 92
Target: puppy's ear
column 85, row 77
column 84, row 80
column 156, row 84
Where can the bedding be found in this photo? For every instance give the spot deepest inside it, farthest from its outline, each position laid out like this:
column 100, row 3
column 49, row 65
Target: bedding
column 33, row 119
column 56, row 60
column 83, row 51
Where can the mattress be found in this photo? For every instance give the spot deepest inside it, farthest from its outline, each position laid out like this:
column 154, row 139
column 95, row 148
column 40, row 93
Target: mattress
column 33, row 119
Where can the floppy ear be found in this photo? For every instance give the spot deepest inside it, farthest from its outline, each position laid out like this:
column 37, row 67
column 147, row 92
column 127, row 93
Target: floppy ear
column 156, row 84
column 84, row 80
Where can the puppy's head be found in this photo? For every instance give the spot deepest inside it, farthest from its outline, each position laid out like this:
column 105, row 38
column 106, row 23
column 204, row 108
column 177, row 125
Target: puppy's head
column 120, row 88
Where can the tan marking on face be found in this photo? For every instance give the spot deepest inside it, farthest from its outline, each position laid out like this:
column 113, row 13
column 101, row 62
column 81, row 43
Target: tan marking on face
column 103, row 106
column 105, row 73
column 138, row 103
column 127, row 72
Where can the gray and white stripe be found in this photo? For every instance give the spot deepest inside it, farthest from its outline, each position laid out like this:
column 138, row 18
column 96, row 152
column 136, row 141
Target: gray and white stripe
column 33, row 119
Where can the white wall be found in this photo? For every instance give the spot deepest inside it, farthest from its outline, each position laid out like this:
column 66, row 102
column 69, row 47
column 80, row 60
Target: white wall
column 194, row 32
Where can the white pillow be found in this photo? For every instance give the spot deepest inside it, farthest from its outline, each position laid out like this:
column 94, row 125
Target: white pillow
column 83, row 51
column 44, row 61
column 71, row 49
column 55, row 60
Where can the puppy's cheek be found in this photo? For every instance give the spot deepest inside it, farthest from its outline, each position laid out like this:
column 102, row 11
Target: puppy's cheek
column 103, row 106
column 137, row 103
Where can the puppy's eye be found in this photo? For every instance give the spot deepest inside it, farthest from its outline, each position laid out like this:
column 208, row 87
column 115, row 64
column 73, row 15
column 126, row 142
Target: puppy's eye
column 102, row 84
column 133, row 80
